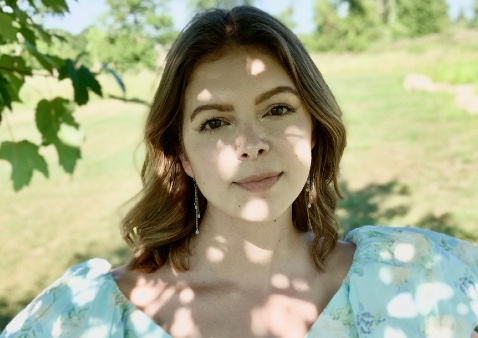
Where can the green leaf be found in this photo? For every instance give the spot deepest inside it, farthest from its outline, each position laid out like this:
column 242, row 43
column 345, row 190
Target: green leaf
column 14, row 79
column 60, row 38
column 58, row 6
column 89, row 80
column 55, row 122
column 16, row 64
column 24, row 159
column 68, row 70
column 43, row 59
column 28, row 35
column 79, row 87
column 44, row 35
column 8, row 32
column 68, row 156
column 11, row 3
column 5, row 98
column 15, row 83
column 51, row 115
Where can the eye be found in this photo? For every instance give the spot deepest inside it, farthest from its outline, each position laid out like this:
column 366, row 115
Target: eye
column 280, row 110
column 212, row 124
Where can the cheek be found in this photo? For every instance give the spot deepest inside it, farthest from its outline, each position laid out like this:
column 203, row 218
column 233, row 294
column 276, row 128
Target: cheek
column 215, row 158
column 300, row 140
column 226, row 160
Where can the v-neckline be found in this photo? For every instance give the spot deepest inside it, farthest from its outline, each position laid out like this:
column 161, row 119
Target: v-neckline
column 166, row 334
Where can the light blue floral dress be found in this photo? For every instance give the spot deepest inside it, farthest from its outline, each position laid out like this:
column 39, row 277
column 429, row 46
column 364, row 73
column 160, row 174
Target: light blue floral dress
column 403, row 282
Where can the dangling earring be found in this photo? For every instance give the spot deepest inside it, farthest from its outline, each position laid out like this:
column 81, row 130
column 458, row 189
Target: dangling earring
column 307, row 190
column 196, row 207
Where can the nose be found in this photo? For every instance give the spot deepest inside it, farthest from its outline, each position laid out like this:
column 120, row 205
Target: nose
column 250, row 145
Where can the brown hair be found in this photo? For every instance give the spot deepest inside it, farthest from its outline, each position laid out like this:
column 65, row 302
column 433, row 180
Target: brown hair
column 160, row 225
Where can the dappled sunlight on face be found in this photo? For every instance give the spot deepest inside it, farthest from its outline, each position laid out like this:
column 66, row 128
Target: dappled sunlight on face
column 243, row 116
column 227, row 165
column 255, row 66
column 255, row 210
column 205, row 95
column 300, row 285
column 300, row 140
column 280, row 281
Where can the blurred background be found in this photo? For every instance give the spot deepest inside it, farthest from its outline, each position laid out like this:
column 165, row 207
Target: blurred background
column 405, row 73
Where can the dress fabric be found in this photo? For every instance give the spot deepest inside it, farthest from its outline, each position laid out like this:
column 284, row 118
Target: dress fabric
column 403, row 283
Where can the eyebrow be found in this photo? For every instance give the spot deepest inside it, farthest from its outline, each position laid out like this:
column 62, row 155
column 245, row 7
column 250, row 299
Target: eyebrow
column 270, row 93
column 261, row 98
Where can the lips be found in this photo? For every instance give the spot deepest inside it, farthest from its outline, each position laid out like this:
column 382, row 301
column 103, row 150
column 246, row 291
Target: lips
column 259, row 183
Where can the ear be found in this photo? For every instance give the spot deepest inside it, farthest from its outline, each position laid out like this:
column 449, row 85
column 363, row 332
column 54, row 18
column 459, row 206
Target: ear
column 186, row 165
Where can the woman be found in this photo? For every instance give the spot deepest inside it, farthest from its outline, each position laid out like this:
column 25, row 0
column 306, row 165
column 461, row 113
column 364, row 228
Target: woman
column 235, row 234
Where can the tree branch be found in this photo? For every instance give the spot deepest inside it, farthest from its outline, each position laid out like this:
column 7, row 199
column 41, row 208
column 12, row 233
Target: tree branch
column 23, row 71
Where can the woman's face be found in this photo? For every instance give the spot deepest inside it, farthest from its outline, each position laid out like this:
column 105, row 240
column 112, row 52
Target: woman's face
column 246, row 135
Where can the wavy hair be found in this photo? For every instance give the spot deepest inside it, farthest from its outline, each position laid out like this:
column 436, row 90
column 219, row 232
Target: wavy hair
column 160, row 225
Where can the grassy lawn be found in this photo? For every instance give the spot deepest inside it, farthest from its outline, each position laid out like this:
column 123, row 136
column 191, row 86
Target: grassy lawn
column 411, row 159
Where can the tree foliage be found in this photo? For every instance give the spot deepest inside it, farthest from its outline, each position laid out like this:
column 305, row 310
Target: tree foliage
column 200, row 5
column 286, row 16
column 417, row 18
column 23, row 45
column 352, row 31
column 365, row 21
column 130, row 32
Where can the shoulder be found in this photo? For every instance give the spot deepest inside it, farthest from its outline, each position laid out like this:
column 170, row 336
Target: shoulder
column 416, row 275
column 67, row 305
column 407, row 244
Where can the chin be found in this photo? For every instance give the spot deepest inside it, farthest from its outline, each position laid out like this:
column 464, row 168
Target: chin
column 260, row 211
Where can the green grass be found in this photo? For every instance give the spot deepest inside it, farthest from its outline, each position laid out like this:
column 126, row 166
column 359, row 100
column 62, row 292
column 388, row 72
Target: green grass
column 411, row 159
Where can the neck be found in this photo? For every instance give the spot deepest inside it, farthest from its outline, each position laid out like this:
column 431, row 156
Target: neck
column 234, row 249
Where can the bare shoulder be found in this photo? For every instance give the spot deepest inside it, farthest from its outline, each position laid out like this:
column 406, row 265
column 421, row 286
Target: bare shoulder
column 125, row 279
column 345, row 251
column 341, row 259
column 140, row 289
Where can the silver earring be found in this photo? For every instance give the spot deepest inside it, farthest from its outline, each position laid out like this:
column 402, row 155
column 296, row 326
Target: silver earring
column 196, row 207
column 307, row 190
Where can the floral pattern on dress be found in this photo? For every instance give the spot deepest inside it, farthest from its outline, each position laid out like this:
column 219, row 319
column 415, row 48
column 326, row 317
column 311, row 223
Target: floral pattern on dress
column 366, row 322
column 403, row 282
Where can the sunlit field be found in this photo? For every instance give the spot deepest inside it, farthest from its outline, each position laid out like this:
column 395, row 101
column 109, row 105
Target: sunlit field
column 411, row 160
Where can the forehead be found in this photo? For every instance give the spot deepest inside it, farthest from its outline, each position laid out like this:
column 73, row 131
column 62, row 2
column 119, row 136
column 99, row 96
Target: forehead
column 237, row 67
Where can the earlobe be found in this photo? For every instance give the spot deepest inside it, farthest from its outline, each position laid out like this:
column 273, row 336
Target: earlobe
column 186, row 165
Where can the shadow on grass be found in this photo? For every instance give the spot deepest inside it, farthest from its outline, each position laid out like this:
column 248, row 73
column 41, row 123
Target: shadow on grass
column 368, row 206
column 365, row 206
column 9, row 309
column 116, row 257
